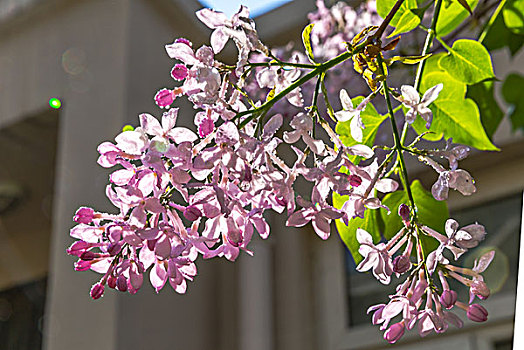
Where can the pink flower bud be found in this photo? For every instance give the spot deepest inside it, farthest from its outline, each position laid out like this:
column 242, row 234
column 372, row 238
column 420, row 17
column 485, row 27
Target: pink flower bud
column 164, row 98
column 184, row 41
column 114, row 248
column 394, row 333
column 78, row 248
column 84, row 215
column 192, row 213
column 121, row 283
column 403, row 212
column 206, row 127
column 179, row 72
column 88, row 255
column 82, row 265
column 401, row 264
column 97, row 290
column 477, row 313
column 111, row 282
column 448, row 298
column 355, row 180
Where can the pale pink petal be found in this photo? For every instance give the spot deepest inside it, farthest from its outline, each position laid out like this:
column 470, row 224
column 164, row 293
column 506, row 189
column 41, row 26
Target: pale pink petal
column 212, row 18
column 218, row 40
column 150, row 124
column 158, row 276
column 180, row 134
column 410, row 94
column 431, row 94
column 182, row 52
column 386, row 185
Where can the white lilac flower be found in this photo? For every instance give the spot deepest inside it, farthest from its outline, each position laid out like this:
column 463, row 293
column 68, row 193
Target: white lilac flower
column 411, row 99
column 352, row 114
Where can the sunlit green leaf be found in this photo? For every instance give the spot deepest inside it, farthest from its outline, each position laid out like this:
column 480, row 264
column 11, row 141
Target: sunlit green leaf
column 513, row 14
column 406, row 23
column 384, row 6
column 453, row 115
column 306, row 39
column 468, row 61
column 452, row 13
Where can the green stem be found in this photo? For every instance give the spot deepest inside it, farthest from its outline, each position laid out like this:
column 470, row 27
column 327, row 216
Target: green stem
column 429, row 41
column 297, row 83
column 491, row 21
column 396, row 136
column 281, row 64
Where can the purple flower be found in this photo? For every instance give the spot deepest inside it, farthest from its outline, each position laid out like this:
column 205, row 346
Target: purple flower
column 319, row 213
column 376, row 257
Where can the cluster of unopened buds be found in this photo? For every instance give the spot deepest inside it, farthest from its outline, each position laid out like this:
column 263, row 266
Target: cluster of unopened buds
column 182, row 193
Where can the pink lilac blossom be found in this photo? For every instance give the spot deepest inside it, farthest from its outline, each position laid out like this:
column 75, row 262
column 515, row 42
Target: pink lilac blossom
column 183, row 193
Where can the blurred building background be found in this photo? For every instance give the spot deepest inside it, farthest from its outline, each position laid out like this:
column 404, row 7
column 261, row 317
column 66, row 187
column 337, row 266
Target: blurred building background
column 105, row 59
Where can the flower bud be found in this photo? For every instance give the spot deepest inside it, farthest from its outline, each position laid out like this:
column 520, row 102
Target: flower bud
column 88, row 255
column 164, row 98
column 403, row 212
column 111, row 282
column 78, row 248
column 448, row 298
column 97, row 290
column 401, row 264
column 179, row 72
column 121, row 283
column 84, row 215
column 477, row 313
column 394, row 333
column 184, row 41
column 355, row 180
column 114, row 248
column 192, row 213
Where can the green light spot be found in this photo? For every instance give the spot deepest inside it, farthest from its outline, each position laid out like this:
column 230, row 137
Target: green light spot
column 55, row 103
column 128, row 128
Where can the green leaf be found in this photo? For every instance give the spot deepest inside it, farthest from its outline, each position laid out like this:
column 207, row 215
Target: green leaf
column 384, row 6
column 499, row 36
column 453, row 115
column 468, row 61
column 306, row 39
column 490, row 113
column 371, row 223
column 406, row 23
column 431, row 64
column 451, row 15
column 513, row 14
column 371, row 119
column 512, row 93
column 430, row 212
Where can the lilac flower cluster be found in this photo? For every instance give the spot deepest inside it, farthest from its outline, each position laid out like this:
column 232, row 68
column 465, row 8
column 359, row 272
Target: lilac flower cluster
column 418, row 299
column 183, row 193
